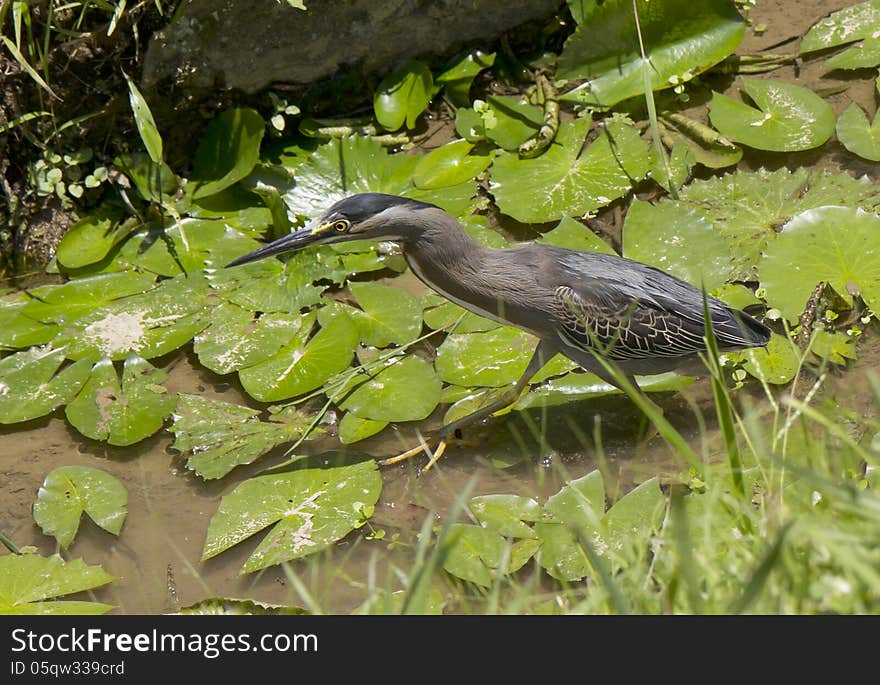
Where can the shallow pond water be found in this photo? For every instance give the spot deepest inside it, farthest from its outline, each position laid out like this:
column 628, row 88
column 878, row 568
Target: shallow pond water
column 156, row 559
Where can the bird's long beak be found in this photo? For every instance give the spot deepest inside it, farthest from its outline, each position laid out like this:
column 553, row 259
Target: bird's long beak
column 289, row 243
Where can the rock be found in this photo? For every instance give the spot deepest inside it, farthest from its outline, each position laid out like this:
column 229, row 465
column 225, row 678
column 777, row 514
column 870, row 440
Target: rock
column 249, row 44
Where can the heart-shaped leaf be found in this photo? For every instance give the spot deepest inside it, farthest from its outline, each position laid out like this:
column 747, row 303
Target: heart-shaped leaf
column 403, row 95
column 319, row 501
column 858, row 135
column 450, row 165
column 70, row 491
column 456, row 79
column 490, row 359
column 28, row 584
column 32, row 384
column 387, row 314
column 407, row 389
column 507, row 515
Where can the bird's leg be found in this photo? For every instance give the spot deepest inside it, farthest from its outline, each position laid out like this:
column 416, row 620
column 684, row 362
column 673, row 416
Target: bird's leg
column 540, row 356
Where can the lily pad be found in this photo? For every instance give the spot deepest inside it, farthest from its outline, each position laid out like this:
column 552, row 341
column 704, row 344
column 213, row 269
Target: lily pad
column 489, row 359
column 678, row 239
column 32, row 383
column 353, row 428
column 787, row 118
column 474, row 554
column 456, row 79
column 28, row 584
column 579, row 504
column 228, row 150
column 573, row 235
column 387, row 314
column 837, row 245
column 150, row 324
column 403, row 95
column 319, row 501
column 631, row 519
column 301, row 366
column 121, row 413
column 577, row 386
column 356, row 165
column 776, row 364
column 69, row 491
column 218, row 436
column 834, row 346
column 407, row 389
column 564, row 181
column 561, row 554
column 507, row 515
column 237, row 338
column 440, row 313
column 91, row 238
column 866, row 55
column 858, row 135
column 449, row 165
column 506, row 120
column 844, row 26
column 681, row 38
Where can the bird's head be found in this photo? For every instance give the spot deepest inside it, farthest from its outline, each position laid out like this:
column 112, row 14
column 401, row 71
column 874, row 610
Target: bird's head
column 367, row 216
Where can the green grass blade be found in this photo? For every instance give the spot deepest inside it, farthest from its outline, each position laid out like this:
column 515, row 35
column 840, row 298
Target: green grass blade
column 146, row 125
column 16, row 54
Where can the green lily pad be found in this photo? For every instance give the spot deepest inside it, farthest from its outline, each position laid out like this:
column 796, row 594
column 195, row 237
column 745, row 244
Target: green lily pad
column 866, row 55
column 301, row 366
column 356, row 165
column 489, row 359
column 91, row 238
column 387, row 314
column 151, row 324
column 230, row 606
column 747, row 208
column 681, row 38
column 631, row 519
column 237, row 338
column 440, row 313
column 677, row 168
column 407, row 389
column 858, row 135
column 32, row 383
column 456, row 79
column 319, row 501
column 474, row 554
column 561, row 555
column 837, row 245
column 353, row 428
column 776, row 364
column 507, row 515
column 228, row 150
column 564, row 181
column 576, row 386
column 573, row 235
column 579, row 504
column 121, row 413
column 69, row 491
column 844, row 26
column 28, row 584
column 472, row 401
column 218, row 436
column 403, row 95
column 450, row 165
column 788, row 118
column 506, row 120
column 238, row 207
column 678, row 239
column 834, row 346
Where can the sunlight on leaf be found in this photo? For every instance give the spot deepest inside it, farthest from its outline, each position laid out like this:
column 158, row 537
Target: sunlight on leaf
column 28, row 584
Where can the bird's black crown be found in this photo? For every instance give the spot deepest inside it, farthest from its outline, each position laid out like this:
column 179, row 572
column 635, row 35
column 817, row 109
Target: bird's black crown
column 359, row 208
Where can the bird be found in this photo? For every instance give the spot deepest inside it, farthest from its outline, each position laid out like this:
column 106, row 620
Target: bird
column 602, row 311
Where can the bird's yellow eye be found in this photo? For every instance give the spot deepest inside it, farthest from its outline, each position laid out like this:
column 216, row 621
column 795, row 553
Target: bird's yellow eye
column 341, row 225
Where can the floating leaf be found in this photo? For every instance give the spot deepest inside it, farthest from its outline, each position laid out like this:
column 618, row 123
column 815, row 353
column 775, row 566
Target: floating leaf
column 440, row 313
column 319, row 501
column 403, row 95
column 407, row 389
column 682, row 39
column 237, row 338
column 145, row 124
column 353, row 428
column 356, row 165
column 450, row 165
column 507, row 514
column 576, row 386
column 490, row 359
column 579, row 504
column 121, row 413
column 630, row 519
column 506, row 120
column 565, row 181
column 863, row 56
column 678, row 239
column 842, row 27
column 561, row 554
column 29, row 582
column 837, row 245
column 32, row 383
column 151, row 324
column 69, row 491
column 228, row 150
column 237, row 207
column 91, row 238
column 474, row 554
column 456, row 79
column 835, row 347
column 573, row 235
column 302, row 366
column 788, row 118
column 777, row 363
column 218, row 436
column 229, row 606
column 387, row 314
column 858, row 135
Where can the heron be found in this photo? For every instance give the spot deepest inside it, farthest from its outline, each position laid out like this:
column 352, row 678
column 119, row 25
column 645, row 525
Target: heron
column 600, row 310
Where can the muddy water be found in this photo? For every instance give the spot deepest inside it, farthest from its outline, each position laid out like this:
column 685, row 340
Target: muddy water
column 156, row 558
